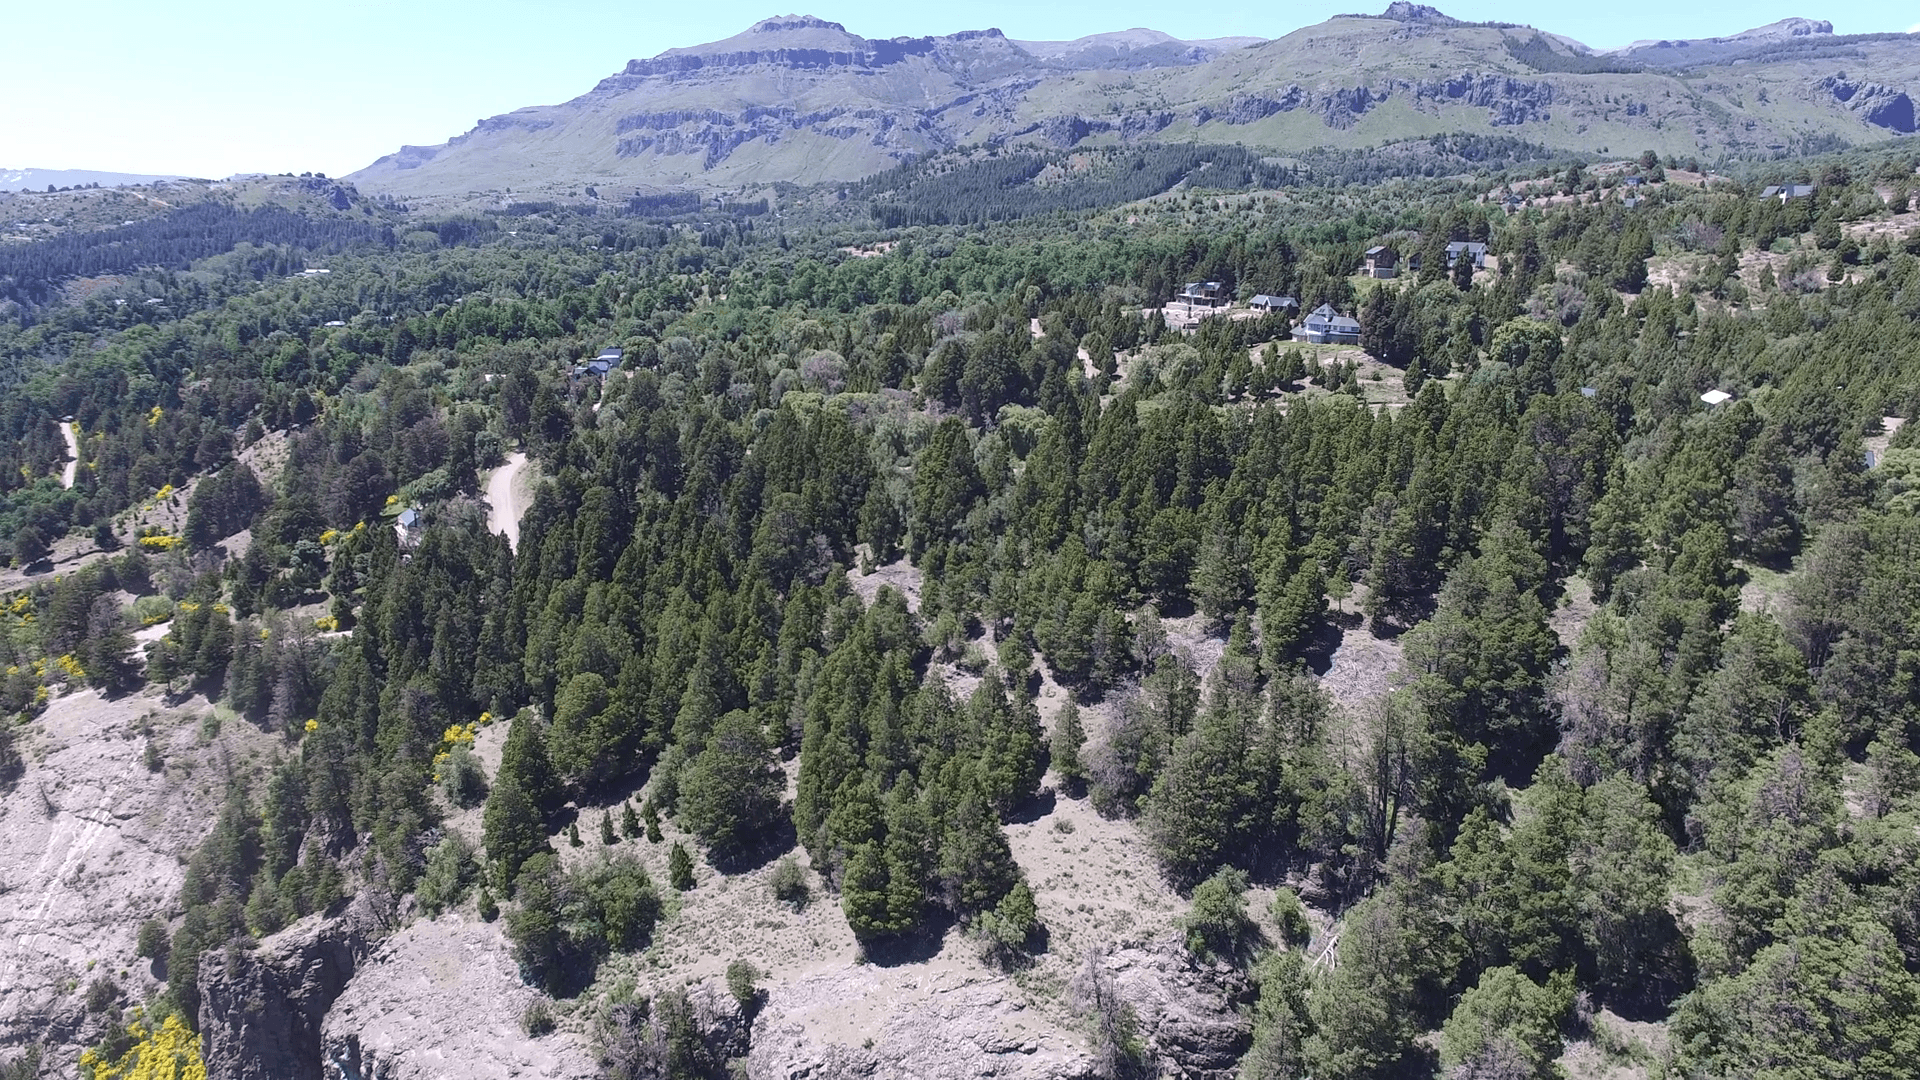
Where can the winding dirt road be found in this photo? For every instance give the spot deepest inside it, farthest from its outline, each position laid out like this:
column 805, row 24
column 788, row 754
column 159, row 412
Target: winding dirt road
column 503, row 499
column 72, row 469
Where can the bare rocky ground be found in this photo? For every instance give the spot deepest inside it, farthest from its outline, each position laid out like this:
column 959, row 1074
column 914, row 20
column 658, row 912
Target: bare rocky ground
column 442, row 998
column 95, row 842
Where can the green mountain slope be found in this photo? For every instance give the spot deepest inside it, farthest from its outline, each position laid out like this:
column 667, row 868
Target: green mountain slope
column 801, row 99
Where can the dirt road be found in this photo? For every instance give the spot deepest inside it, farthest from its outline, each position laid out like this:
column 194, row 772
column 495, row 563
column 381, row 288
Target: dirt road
column 504, row 505
column 73, row 454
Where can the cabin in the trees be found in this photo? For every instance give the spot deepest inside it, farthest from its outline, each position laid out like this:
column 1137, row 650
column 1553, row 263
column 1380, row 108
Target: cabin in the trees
column 1473, row 249
column 1382, row 262
column 1325, row 326
column 1786, row 192
column 1265, row 302
column 408, row 525
column 1203, row 294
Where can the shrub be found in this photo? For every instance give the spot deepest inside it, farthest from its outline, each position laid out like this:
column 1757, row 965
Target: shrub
column 152, row 944
column 489, row 907
column 1009, row 927
column 789, row 883
column 537, row 1020
column 462, row 778
column 101, row 994
column 741, row 978
column 1218, row 924
column 451, row 868
column 1291, row 916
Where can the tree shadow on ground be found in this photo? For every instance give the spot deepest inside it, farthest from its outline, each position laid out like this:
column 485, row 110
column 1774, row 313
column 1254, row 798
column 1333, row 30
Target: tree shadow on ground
column 779, row 839
column 1033, row 809
column 916, row 948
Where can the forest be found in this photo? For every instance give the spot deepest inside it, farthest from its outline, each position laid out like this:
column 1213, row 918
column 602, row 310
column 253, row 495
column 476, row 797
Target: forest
column 1699, row 808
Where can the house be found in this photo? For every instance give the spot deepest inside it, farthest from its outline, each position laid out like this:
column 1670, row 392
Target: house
column 1382, row 262
column 1784, row 192
column 1203, row 294
column 1633, row 181
column 407, row 526
column 1716, row 397
column 1324, row 326
column 608, row 359
column 1264, row 302
column 1474, row 249
column 1630, row 202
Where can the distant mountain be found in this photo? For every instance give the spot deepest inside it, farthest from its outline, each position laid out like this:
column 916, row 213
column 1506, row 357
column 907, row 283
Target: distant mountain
column 1132, row 49
column 38, row 179
column 801, row 99
column 1692, row 51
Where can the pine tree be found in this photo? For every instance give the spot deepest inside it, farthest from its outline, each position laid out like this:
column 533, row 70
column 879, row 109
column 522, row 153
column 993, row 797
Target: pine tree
column 680, row 867
column 629, row 822
column 1069, row 736
column 730, row 794
column 524, row 764
column 512, row 829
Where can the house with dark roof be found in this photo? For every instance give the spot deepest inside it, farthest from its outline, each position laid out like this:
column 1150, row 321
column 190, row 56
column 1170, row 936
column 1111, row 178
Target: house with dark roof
column 1474, row 249
column 1203, row 294
column 598, row 367
column 1382, row 262
column 1265, row 302
column 1784, row 192
column 1325, row 326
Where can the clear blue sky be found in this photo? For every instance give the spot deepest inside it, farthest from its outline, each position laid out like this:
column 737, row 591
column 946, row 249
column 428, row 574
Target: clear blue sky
column 213, row 87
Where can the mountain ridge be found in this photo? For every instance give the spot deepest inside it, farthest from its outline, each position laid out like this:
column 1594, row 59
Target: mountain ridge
column 801, row 99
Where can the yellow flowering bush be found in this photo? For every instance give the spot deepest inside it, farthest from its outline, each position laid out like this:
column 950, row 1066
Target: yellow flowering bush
column 391, row 499
column 71, row 667
column 170, row 1053
column 327, row 535
column 161, row 542
column 153, row 416
column 312, row 725
column 165, row 492
column 455, row 735
column 326, row 622
column 21, row 605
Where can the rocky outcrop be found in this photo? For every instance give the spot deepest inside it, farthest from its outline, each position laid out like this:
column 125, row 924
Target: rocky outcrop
column 261, row 1009
column 1882, row 106
column 969, row 1031
column 1187, row 1011
column 1191, row 1017
column 443, row 998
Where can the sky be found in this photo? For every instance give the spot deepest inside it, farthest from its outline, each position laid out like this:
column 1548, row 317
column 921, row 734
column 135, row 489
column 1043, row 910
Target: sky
column 214, row 87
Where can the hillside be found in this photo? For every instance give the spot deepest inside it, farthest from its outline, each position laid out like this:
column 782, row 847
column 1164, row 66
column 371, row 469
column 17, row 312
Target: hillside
column 800, row 99
column 41, row 179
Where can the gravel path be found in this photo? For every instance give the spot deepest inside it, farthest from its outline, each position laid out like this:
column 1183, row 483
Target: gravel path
column 504, row 502
column 73, row 454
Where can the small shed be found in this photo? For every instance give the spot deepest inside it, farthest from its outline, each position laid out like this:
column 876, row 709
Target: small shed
column 1716, row 397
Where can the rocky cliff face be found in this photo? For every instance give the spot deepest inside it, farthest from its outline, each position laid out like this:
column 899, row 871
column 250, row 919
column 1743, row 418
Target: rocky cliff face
column 261, row 1009
column 96, row 832
column 1883, row 106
